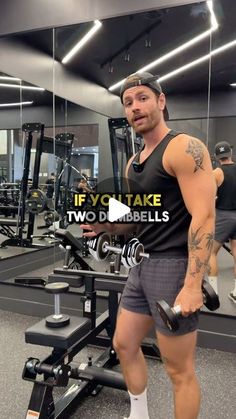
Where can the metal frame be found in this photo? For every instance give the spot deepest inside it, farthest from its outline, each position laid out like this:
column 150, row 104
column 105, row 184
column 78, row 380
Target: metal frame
column 18, row 239
column 131, row 145
column 91, row 382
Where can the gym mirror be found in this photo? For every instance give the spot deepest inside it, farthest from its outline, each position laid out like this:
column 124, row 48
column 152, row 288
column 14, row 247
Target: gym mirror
column 187, row 59
column 220, row 124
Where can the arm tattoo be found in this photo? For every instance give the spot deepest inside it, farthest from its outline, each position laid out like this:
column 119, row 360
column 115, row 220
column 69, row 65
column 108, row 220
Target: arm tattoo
column 209, row 239
column 196, row 265
column 196, row 150
column 195, row 243
column 195, row 240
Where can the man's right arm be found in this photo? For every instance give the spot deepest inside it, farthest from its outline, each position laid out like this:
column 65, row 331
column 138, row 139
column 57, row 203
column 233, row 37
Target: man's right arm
column 219, row 176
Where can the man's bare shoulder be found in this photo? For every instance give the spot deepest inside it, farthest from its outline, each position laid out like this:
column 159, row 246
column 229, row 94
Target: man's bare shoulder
column 186, row 139
column 129, row 164
column 186, row 151
column 217, row 170
column 218, row 175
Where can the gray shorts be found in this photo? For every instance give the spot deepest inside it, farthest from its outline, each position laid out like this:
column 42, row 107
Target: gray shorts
column 157, row 278
column 225, row 226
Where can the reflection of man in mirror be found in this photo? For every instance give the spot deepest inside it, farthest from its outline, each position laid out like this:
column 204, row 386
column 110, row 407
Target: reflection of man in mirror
column 225, row 229
column 173, row 165
column 83, row 186
column 50, row 185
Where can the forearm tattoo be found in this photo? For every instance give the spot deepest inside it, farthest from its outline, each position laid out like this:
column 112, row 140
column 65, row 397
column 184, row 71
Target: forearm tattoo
column 209, row 241
column 195, row 148
column 196, row 243
column 195, row 240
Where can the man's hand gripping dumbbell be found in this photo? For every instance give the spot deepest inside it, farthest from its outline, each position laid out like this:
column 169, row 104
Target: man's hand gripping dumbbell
column 171, row 315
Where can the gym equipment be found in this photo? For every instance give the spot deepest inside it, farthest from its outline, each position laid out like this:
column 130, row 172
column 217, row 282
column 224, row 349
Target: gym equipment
column 36, row 201
column 227, row 248
column 16, row 238
column 171, row 315
column 50, row 217
column 9, row 198
column 72, row 261
column 124, row 144
column 132, row 253
column 75, row 246
column 57, row 369
column 86, row 372
column 57, row 319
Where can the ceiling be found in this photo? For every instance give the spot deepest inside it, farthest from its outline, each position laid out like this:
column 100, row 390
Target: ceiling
column 125, row 44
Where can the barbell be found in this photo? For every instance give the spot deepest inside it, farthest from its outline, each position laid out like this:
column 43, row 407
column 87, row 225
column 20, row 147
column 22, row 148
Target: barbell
column 132, row 253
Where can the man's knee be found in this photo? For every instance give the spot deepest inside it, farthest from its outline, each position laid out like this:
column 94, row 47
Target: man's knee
column 178, row 354
column 124, row 346
column 178, row 372
column 120, row 344
column 116, row 343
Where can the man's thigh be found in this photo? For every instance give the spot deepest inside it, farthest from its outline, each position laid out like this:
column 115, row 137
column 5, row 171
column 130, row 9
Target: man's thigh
column 163, row 279
column 178, row 352
column 131, row 328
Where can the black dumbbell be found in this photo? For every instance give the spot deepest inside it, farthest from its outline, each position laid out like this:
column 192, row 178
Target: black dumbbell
column 171, row 315
column 57, row 319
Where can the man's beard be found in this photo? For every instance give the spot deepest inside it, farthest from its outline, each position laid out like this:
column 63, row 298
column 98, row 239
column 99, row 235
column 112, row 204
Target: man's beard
column 147, row 127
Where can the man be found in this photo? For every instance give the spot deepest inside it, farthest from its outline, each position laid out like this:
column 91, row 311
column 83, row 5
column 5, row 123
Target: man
column 178, row 167
column 83, row 186
column 225, row 229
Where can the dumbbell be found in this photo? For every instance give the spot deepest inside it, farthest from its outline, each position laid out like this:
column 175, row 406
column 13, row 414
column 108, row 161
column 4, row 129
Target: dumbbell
column 57, row 319
column 171, row 315
column 132, row 253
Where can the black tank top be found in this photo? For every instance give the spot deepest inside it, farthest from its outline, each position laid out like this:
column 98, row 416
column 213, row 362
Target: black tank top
column 226, row 193
column 153, row 178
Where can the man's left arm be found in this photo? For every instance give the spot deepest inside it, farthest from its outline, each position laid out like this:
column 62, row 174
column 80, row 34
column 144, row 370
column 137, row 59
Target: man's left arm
column 193, row 169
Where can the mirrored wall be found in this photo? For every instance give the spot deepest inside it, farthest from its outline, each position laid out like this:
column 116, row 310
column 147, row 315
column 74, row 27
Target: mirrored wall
column 74, row 97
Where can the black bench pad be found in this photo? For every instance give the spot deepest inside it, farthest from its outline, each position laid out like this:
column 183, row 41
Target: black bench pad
column 12, row 222
column 63, row 337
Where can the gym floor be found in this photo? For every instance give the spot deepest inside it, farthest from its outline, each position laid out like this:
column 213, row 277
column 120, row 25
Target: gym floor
column 216, row 371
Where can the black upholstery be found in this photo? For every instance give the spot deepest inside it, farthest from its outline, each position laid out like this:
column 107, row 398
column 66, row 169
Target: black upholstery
column 63, row 337
column 10, row 222
column 69, row 239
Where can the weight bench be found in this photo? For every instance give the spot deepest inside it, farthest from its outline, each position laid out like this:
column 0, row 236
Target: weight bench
column 10, row 222
column 6, row 225
column 63, row 337
column 67, row 239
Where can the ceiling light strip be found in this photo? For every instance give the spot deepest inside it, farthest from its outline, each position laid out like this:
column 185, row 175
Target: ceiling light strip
column 198, row 61
column 6, row 105
column 19, row 86
column 9, row 78
column 214, row 23
column 82, row 42
column 176, row 51
column 179, row 49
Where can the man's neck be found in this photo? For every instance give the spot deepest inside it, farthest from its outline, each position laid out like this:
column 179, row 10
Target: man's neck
column 154, row 137
column 228, row 161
